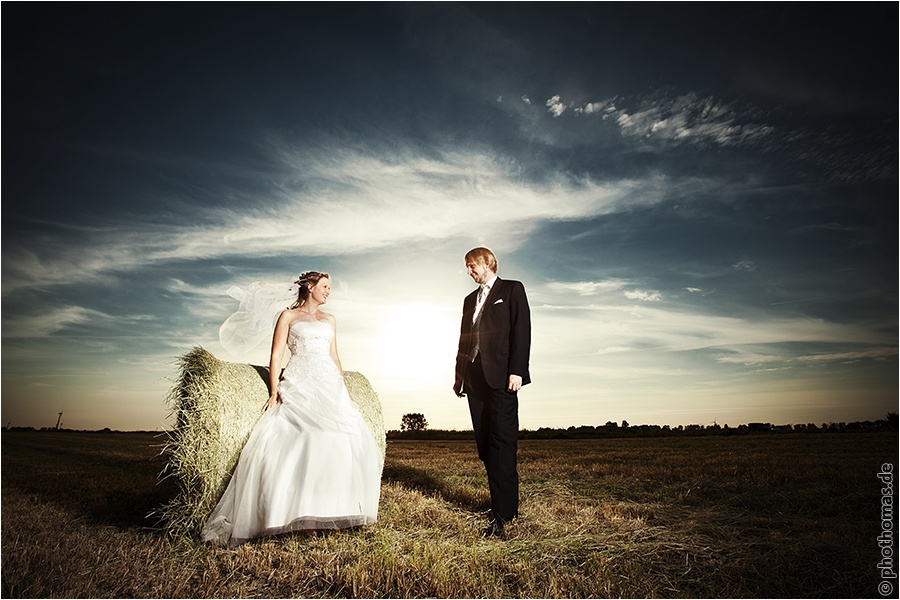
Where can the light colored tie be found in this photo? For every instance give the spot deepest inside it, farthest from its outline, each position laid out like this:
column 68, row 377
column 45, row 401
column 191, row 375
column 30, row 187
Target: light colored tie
column 479, row 304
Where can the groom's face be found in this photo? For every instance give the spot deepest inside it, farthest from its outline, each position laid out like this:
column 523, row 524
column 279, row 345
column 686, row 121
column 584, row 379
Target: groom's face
column 479, row 272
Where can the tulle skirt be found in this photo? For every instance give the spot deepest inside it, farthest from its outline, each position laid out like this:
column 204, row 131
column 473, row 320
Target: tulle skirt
column 310, row 463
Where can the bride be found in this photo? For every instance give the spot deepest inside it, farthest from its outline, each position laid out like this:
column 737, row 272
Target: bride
column 310, row 462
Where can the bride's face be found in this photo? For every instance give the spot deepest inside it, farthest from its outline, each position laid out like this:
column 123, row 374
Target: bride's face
column 321, row 290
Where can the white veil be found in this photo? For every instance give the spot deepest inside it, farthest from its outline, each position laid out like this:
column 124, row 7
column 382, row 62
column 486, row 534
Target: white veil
column 254, row 321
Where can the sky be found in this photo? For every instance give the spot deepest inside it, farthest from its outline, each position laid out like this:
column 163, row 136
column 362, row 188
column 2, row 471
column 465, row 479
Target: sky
column 700, row 199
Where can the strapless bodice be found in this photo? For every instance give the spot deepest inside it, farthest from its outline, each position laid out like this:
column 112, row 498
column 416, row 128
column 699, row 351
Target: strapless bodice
column 309, row 341
column 310, row 337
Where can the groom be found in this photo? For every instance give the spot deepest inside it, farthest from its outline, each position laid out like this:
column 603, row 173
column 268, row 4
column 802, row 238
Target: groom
column 491, row 367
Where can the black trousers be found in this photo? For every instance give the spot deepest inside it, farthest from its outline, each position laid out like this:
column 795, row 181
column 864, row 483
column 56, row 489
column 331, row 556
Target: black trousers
column 495, row 419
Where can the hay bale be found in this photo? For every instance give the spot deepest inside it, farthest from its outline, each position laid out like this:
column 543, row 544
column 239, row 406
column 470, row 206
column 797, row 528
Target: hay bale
column 362, row 393
column 215, row 405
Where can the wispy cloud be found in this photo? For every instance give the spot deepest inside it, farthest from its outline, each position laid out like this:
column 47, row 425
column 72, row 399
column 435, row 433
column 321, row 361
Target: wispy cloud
column 661, row 120
column 882, row 353
column 688, row 118
column 744, row 265
column 751, row 356
column 591, row 288
column 58, row 319
column 586, row 288
column 738, row 357
column 643, row 296
column 47, row 324
column 685, row 329
column 353, row 203
column 691, row 118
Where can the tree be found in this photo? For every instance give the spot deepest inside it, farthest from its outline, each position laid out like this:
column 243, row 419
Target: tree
column 413, row 422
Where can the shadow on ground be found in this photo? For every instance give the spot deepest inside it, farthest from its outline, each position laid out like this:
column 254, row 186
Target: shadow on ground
column 109, row 479
column 421, row 480
column 114, row 479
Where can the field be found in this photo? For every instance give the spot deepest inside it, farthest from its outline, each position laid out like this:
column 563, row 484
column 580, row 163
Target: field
column 769, row 515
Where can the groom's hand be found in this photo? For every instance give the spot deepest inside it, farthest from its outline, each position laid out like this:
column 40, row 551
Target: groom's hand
column 515, row 383
column 458, row 389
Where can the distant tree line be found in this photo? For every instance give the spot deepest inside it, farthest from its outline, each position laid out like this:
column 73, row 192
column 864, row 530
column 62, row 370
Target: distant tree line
column 613, row 429
column 414, row 426
column 65, row 429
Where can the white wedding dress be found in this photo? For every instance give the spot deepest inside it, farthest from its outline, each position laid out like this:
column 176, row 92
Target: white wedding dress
column 310, row 462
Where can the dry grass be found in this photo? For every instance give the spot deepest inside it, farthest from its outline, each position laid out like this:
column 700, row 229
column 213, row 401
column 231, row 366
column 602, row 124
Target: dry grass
column 215, row 405
column 754, row 516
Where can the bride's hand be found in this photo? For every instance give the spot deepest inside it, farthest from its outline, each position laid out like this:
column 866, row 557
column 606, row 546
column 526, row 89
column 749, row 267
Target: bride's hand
column 273, row 400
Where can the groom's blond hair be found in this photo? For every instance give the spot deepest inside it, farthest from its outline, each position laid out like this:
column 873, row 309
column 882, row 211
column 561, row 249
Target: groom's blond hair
column 484, row 256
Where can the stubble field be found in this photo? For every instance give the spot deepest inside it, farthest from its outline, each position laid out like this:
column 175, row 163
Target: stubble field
column 771, row 515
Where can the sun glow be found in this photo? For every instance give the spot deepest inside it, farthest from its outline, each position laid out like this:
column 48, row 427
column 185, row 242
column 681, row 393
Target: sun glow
column 419, row 345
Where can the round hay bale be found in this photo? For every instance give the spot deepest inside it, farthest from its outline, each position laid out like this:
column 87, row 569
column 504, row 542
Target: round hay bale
column 215, row 405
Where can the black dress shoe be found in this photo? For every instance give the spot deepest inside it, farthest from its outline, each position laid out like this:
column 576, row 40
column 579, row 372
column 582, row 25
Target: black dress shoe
column 494, row 529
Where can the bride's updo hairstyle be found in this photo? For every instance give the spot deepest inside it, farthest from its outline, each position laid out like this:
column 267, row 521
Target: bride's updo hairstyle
column 307, row 280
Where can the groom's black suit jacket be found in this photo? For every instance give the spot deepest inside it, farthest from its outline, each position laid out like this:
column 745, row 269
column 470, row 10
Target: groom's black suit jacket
column 504, row 334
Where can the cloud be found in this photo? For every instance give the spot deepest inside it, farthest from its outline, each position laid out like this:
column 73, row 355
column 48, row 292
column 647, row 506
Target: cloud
column 691, row 118
column 749, row 358
column 586, row 288
column 555, row 106
column 590, row 288
column 53, row 321
column 882, row 353
column 688, row 118
column 643, row 296
column 605, row 108
column 663, row 329
column 613, row 350
column 351, row 202
column 369, row 203
column 59, row 319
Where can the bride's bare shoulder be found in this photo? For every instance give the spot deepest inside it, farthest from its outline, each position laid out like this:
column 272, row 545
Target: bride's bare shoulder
column 325, row 317
column 289, row 315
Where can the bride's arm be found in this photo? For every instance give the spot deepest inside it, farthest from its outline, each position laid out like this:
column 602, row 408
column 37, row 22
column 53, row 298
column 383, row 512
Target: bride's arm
column 334, row 350
column 279, row 342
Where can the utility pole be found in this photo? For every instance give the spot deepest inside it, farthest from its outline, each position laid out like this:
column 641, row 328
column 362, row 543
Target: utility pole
column 59, row 419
